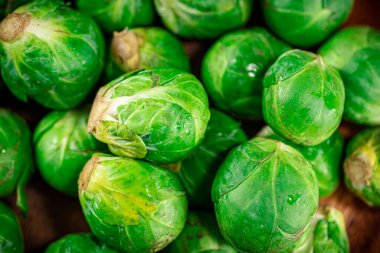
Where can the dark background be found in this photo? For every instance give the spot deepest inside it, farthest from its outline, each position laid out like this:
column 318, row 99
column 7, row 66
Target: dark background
column 52, row 214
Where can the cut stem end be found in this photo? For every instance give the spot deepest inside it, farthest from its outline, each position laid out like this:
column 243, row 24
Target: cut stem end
column 125, row 50
column 358, row 169
column 13, row 26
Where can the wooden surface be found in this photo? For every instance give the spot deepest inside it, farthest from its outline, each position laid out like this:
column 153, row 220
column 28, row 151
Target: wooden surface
column 52, row 214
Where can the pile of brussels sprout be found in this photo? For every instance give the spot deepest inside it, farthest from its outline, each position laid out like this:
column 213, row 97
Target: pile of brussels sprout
column 131, row 133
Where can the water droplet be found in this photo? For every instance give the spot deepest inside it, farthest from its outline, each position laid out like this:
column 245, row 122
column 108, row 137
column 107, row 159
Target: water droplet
column 252, row 69
column 293, row 199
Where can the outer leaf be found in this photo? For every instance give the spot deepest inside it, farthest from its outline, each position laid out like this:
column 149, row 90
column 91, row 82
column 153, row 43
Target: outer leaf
column 201, row 234
column 265, row 194
column 10, row 231
column 16, row 162
column 198, row 170
column 362, row 166
column 63, row 146
column 234, row 67
column 303, row 98
column 145, row 48
column 203, row 19
column 159, row 115
column 359, row 65
column 324, row 158
column 78, row 243
column 116, row 15
column 305, row 23
column 132, row 205
column 55, row 56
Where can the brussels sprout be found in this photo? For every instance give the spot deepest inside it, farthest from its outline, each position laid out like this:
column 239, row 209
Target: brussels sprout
column 55, row 55
column 303, row 98
column 330, row 232
column 355, row 52
column 305, row 23
column 198, row 170
column 324, row 158
column 79, row 243
column 203, row 19
column 63, row 147
column 145, row 48
column 362, row 166
column 326, row 233
column 16, row 162
column 10, row 232
column 160, row 115
column 265, row 194
column 233, row 69
column 116, row 15
column 132, row 205
column 200, row 234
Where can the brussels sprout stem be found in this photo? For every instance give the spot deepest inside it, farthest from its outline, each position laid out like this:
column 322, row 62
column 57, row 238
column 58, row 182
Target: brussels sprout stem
column 13, row 26
column 358, row 169
column 125, row 49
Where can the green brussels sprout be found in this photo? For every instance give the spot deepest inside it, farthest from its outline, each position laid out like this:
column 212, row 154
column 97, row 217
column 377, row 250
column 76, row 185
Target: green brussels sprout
column 10, row 232
column 361, row 166
column 197, row 171
column 305, row 23
column 326, row 233
column 324, row 158
column 145, row 48
column 203, row 19
column 303, row 98
column 16, row 161
column 62, row 148
column 116, row 15
column 233, row 69
column 355, row 52
column 160, row 115
column 55, row 55
column 132, row 205
column 79, row 243
column 265, row 194
column 200, row 234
